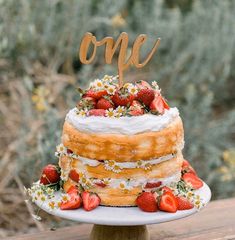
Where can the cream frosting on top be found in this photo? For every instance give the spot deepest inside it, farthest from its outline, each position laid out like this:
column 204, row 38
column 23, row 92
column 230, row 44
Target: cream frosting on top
column 123, row 125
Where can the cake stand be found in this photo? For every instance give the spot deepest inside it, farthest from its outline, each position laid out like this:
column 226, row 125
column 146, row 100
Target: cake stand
column 122, row 223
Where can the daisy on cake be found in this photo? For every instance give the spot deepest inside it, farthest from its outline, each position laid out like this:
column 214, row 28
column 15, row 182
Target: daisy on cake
column 123, row 147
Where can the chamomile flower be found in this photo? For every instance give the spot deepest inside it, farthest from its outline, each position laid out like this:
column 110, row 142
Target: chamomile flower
column 111, row 89
column 110, row 113
column 43, row 198
column 139, row 164
column 52, row 205
column 64, row 175
column 82, row 112
column 123, row 185
column 132, row 89
column 65, row 197
column 120, row 110
column 108, row 78
column 61, row 149
column 147, row 166
column 98, row 84
column 155, row 86
column 109, row 165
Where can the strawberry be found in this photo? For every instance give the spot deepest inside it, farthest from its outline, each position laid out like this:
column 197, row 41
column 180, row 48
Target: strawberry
column 187, row 168
column 147, row 202
column 100, row 184
column 183, row 203
column 90, row 200
column 50, row 174
column 95, row 94
column 136, row 108
column 69, row 151
column 153, row 185
column 158, row 104
column 104, row 104
column 145, row 96
column 96, row 112
column 143, row 84
column 74, row 175
column 86, row 102
column 168, row 202
column 75, row 200
column 185, row 164
column 192, row 179
column 122, row 99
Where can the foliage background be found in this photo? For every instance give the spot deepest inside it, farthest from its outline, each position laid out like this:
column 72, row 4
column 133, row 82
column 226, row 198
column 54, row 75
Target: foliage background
column 39, row 70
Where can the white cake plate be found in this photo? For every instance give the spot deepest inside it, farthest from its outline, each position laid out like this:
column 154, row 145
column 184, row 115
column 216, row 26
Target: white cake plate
column 111, row 221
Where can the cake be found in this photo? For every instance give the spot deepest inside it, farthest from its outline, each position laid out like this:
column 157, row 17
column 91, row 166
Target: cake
column 121, row 141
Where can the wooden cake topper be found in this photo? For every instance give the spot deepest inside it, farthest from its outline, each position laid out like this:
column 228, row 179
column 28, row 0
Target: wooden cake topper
column 110, row 49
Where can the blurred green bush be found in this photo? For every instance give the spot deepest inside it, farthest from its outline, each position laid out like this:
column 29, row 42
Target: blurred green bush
column 195, row 66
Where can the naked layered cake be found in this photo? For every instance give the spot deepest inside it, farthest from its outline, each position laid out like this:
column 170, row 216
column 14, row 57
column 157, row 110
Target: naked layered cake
column 121, row 141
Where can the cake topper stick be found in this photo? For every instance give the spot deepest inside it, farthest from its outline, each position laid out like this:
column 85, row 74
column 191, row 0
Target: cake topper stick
column 110, row 48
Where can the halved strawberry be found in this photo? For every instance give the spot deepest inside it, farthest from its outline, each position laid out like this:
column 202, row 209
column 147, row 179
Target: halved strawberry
column 104, row 104
column 183, row 203
column 95, row 94
column 143, row 85
column 168, row 202
column 122, row 99
column 90, row 200
column 192, row 179
column 187, row 168
column 147, row 202
column 96, row 112
column 145, row 96
column 136, row 108
column 75, row 200
column 185, row 164
column 153, row 184
column 74, row 175
column 50, row 174
column 100, row 184
column 158, row 104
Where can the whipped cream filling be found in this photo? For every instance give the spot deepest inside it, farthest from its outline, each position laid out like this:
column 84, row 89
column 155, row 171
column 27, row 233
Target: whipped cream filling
column 123, row 125
column 128, row 184
column 111, row 164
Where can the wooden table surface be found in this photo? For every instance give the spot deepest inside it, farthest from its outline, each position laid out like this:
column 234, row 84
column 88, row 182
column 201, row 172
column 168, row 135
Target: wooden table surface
column 216, row 221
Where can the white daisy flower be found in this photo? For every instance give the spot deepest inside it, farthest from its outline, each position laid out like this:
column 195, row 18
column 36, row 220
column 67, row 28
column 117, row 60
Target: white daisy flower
column 121, row 110
column 139, row 164
column 98, row 84
column 109, row 165
column 108, row 78
column 65, row 197
column 123, row 185
column 111, row 89
column 132, row 89
column 36, row 217
column 155, row 85
column 61, row 149
column 110, row 113
column 82, row 112
column 52, row 205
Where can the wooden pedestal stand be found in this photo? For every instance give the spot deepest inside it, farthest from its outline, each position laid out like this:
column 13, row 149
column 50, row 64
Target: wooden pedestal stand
column 102, row 232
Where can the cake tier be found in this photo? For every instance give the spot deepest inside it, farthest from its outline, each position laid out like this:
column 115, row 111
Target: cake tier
column 121, row 147
column 120, row 188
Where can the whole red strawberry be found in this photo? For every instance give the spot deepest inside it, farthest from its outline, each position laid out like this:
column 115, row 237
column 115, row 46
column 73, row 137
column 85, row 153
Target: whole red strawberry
column 90, row 200
column 96, row 112
column 50, row 174
column 183, row 203
column 104, row 104
column 122, row 99
column 147, row 202
column 136, row 108
column 145, row 96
